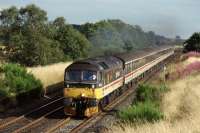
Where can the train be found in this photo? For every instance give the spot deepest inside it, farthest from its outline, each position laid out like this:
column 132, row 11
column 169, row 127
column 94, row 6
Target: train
column 91, row 84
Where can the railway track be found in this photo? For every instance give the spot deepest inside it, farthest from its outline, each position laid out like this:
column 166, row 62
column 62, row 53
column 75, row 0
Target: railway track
column 6, row 118
column 75, row 126
column 89, row 122
column 50, row 117
column 29, row 119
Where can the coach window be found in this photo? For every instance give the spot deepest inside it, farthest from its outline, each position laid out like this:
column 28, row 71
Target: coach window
column 133, row 65
column 126, row 69
column 129, row 67
column 136, row 64
column 107, row 79
column 113, row 75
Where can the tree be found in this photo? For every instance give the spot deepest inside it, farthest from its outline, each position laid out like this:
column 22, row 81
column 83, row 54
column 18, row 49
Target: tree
column 193, row 43
column 128, row 46
column 9, row 16
column 10, row 23
column 72, row 42
column 29, row 43
column 59, row 22
column 33, row 40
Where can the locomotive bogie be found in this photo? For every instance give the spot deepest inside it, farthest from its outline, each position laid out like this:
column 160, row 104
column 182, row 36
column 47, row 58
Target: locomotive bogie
column 81, row 106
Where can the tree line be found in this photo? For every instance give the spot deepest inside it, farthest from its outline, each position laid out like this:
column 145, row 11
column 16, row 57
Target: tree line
column 109, row 36
column 31, row 39
column 193, row 43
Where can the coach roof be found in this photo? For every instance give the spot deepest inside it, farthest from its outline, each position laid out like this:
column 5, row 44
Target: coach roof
column 125, row 57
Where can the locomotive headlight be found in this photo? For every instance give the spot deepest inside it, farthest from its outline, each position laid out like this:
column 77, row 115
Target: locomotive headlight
column 93, row 86
column 67, row 85
column 100, row 84
column 82, row 95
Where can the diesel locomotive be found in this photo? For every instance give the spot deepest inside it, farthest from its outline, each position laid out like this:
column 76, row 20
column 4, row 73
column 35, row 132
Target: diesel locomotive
column 90, row 84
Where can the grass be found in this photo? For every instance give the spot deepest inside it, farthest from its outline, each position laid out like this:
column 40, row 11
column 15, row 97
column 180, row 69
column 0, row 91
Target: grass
column 180, row 105
column 50, row 74
column 181, row 110
column 141, row 112
column 146, row 107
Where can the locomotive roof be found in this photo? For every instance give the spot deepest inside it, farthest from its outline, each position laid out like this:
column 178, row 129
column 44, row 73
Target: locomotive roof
column 103, row 62
column 138, row 54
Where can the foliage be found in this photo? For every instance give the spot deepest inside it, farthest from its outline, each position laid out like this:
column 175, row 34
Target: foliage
column 141, row 112
column 72, row 42
column 14, row 80
column 33, row 40
column 146, row 107
column 149, row 93
column 110, row 36
column 193, row 43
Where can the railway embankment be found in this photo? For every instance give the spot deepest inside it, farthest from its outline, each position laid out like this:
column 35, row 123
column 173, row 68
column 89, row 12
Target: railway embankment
column 179, row 105
column 29, row 95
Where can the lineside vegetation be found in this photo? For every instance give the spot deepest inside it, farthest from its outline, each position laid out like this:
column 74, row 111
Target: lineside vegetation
column 17, row 84
column 146, row 107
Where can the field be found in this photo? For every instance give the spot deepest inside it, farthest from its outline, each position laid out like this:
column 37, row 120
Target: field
column 180, row 105
column 50, row 74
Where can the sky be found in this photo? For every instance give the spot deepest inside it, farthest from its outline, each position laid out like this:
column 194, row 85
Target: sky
column 165, row 17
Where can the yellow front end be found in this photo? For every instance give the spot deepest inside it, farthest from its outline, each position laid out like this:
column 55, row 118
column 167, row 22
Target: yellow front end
column 96, row 93
column 82, row 101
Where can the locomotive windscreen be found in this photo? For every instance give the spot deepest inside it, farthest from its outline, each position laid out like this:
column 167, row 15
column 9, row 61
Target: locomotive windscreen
column 73, row 75
column 81, row 75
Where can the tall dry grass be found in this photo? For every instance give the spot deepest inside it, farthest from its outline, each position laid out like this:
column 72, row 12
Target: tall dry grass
column 50, row 74
column 181, row 107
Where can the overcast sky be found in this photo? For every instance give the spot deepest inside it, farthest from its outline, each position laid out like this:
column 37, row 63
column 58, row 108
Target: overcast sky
column 165, row 17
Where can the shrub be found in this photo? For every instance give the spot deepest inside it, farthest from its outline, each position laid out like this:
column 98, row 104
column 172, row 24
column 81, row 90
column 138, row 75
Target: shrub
column 146, row 107
column 146, row 93
column 15, row 81
column 141, row 112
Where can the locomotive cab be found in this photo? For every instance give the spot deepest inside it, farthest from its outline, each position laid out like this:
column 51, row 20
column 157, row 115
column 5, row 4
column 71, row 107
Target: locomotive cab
column 80, row 82
column 85, row 84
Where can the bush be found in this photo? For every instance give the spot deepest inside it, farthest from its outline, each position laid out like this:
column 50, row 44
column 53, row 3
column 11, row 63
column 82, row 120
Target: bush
column 150, row 93
column 146, row 107
column 16, row 81
column 141, row 112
